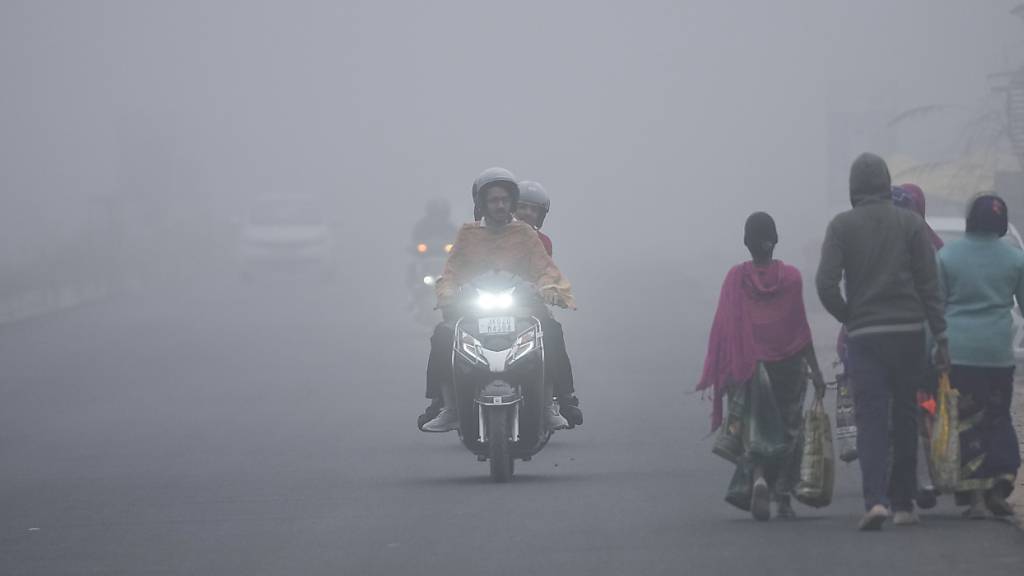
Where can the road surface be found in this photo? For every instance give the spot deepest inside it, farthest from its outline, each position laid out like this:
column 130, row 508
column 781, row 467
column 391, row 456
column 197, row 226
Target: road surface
column 263, row 430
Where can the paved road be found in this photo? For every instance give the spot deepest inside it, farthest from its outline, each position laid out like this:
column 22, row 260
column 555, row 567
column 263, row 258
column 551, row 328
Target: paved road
column 264, row 431
column 1017, row 498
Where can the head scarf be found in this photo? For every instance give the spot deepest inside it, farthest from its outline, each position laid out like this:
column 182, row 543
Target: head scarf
column 911, row 197
column 988, row 215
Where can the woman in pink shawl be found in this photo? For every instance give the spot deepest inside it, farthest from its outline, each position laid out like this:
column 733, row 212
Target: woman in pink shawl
column 759, row 354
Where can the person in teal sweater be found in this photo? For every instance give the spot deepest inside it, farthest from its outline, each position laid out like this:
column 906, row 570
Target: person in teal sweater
column 981, row 277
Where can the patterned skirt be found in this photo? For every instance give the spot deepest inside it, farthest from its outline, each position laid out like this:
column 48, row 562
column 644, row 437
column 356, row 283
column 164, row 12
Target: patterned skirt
column 989, row 450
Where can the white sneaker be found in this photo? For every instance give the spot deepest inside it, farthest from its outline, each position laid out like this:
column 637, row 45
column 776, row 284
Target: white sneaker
column 446, row 421
column 904, row 518
column 873, row 520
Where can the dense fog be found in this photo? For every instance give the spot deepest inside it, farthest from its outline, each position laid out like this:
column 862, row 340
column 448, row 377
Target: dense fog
column 215, row 314
column 656, row 126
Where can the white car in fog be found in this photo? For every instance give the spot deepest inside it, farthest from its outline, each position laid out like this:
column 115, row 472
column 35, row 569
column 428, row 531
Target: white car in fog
column 951, row 229
column 286, row 232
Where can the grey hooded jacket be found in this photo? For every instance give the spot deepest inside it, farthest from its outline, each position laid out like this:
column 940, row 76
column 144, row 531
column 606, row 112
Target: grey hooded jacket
column 886, row 257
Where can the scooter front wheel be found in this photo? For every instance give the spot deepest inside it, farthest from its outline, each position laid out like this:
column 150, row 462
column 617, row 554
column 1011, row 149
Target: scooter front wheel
column 500, row 456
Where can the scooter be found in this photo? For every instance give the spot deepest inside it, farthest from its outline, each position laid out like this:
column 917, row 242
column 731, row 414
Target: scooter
column 498, row 367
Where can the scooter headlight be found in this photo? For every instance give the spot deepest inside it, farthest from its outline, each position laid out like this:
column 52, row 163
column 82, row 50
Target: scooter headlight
column 495, row 301
column 470, row 348
column 429, row 280
column 525, row 343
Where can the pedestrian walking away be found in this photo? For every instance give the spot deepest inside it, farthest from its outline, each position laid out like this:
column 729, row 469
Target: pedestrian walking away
column 982, row 279
column 885, row 256
column 758, row 357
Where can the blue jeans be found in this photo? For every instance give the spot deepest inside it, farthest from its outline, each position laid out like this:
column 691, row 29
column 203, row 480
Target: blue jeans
column 886, row 370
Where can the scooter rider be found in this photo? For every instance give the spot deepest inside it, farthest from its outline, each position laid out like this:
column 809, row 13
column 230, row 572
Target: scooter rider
column 534, row 205
column 496, row 242
column 438, row 369
column 431, row 239
column 435, row 226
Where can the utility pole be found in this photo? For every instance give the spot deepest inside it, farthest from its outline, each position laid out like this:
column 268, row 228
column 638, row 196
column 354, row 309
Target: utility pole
column 1011, row 85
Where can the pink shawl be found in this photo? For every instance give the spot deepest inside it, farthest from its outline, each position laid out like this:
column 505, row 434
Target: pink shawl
column 760, row 318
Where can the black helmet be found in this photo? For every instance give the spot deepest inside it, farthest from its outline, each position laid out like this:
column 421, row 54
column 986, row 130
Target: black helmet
column 531, row 192
column 488, row 178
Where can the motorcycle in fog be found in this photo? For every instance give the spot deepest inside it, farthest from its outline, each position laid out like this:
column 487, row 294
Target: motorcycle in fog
column 498, row 367
column 424, row 271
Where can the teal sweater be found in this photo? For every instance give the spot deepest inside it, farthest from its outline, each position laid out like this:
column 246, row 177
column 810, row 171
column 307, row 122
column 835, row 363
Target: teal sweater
column 980, row 276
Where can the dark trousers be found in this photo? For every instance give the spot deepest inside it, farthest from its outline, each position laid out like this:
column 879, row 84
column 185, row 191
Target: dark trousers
column 557, row 367
column 439, row 363
column 886, row 370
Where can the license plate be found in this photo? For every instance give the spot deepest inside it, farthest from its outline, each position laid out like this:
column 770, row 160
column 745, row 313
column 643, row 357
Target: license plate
column 501, row 325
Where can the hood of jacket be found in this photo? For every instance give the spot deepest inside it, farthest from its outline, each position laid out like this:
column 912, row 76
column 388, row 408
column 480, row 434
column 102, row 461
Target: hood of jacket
column 869, row 180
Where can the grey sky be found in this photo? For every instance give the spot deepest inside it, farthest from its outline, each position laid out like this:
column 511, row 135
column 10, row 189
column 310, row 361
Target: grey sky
column 666, row 122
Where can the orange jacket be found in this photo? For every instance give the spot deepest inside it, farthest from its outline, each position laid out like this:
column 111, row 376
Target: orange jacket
column 546, row 241
column 514, row 248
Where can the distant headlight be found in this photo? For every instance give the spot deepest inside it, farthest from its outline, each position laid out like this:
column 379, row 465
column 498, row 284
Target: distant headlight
column 429, row 280
column 448, row 247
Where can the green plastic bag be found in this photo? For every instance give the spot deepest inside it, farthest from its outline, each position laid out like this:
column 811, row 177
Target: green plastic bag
column 945, row 445
column 817, row 465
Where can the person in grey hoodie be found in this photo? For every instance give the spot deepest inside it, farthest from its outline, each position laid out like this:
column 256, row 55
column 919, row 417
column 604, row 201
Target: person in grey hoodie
column 886, row 257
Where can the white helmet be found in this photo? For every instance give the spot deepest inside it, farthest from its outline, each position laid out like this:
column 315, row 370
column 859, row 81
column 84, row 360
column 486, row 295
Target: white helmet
column 493, row 176
column 531, row 192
